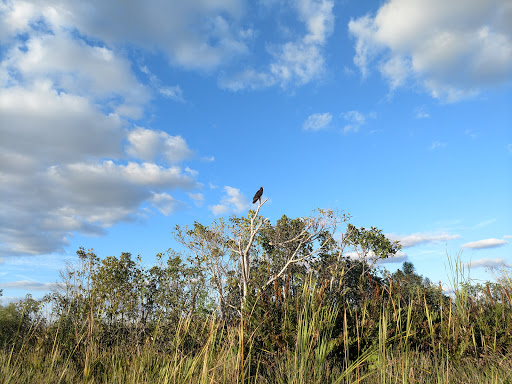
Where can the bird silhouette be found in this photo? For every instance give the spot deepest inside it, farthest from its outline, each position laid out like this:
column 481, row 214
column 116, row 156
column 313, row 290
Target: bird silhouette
column 257, row 196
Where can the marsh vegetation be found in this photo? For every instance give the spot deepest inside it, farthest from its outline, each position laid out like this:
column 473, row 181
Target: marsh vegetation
column 247, row 301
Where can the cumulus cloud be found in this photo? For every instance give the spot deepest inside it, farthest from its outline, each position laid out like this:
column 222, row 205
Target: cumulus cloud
column 70, row 160
column 151, row 145
column 451, row 50
column 232, row 201
column 317, row 121
column 490, row 263
column 42, row 208
column 421, row 238
column 193, row 34
column 486, row 243
column 297, row 61
column 75, row 67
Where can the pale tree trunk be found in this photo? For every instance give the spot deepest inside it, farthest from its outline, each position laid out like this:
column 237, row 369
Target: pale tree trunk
column 243, row 249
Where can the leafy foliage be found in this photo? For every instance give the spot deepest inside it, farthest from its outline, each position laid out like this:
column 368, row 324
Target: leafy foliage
column 301, row 300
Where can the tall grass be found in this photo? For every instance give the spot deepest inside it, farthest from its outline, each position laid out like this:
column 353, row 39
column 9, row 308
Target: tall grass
column 462, row 339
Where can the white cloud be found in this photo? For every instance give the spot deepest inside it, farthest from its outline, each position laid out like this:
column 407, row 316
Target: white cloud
column 296, row 62
column 421, row 238
column 317, row 121
column 421, row 113
column 30, row 285
column 355, row 121
column 436, row 145
column 399, row 257
column 44, row 207
column 151, row 145
column 247, row 79
column 489, row 263
column 38, row 122
column 452, row 50
column 219, row 209
column 194, row 34
column 69, row 160
column 486, row 243
column 198, row 198
column 232, row 201
column 172, row 92
column 75, row 67
column 472, row 134
column 165, row 203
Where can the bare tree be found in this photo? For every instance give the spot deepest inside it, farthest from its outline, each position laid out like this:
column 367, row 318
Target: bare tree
column 315, row 236
column 243, row 234
column 210, row 248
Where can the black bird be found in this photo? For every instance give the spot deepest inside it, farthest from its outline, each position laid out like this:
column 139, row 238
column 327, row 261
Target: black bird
column 257, row 196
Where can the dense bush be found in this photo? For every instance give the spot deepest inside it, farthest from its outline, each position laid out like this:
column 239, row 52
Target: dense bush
column 307, row 313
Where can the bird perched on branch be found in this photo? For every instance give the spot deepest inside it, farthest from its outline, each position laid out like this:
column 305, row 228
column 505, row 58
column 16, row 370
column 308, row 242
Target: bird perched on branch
column 257, row 196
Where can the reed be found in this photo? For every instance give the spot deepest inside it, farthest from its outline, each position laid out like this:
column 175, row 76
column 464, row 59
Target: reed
column 422, row 337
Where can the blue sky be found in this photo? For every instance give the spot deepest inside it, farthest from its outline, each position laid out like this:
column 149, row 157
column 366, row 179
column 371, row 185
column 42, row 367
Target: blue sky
column 119, row 120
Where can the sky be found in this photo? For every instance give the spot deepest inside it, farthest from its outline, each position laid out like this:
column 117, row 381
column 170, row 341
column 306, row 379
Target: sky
column 122, row 119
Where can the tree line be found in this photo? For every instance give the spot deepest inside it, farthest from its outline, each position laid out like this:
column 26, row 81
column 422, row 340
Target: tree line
column 258, row 277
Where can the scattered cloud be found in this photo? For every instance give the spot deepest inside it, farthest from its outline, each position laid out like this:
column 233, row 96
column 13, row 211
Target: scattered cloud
column 507, row 237
column 412, row 41
column 198, row 198
column 191, row 172
column 509, row 147
column 421, row 113
column 30, row 285
column 355, row 121
column 415, row 239
column 165, row 203
column 232, row 201
column 172, row 92
column 489, row 263
column 437, row 145
column 317, row 122
column 348, row 71
column 150, row 145
column 486, row 243
column 472, row 134
column 399, row 257
column 296, row 62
